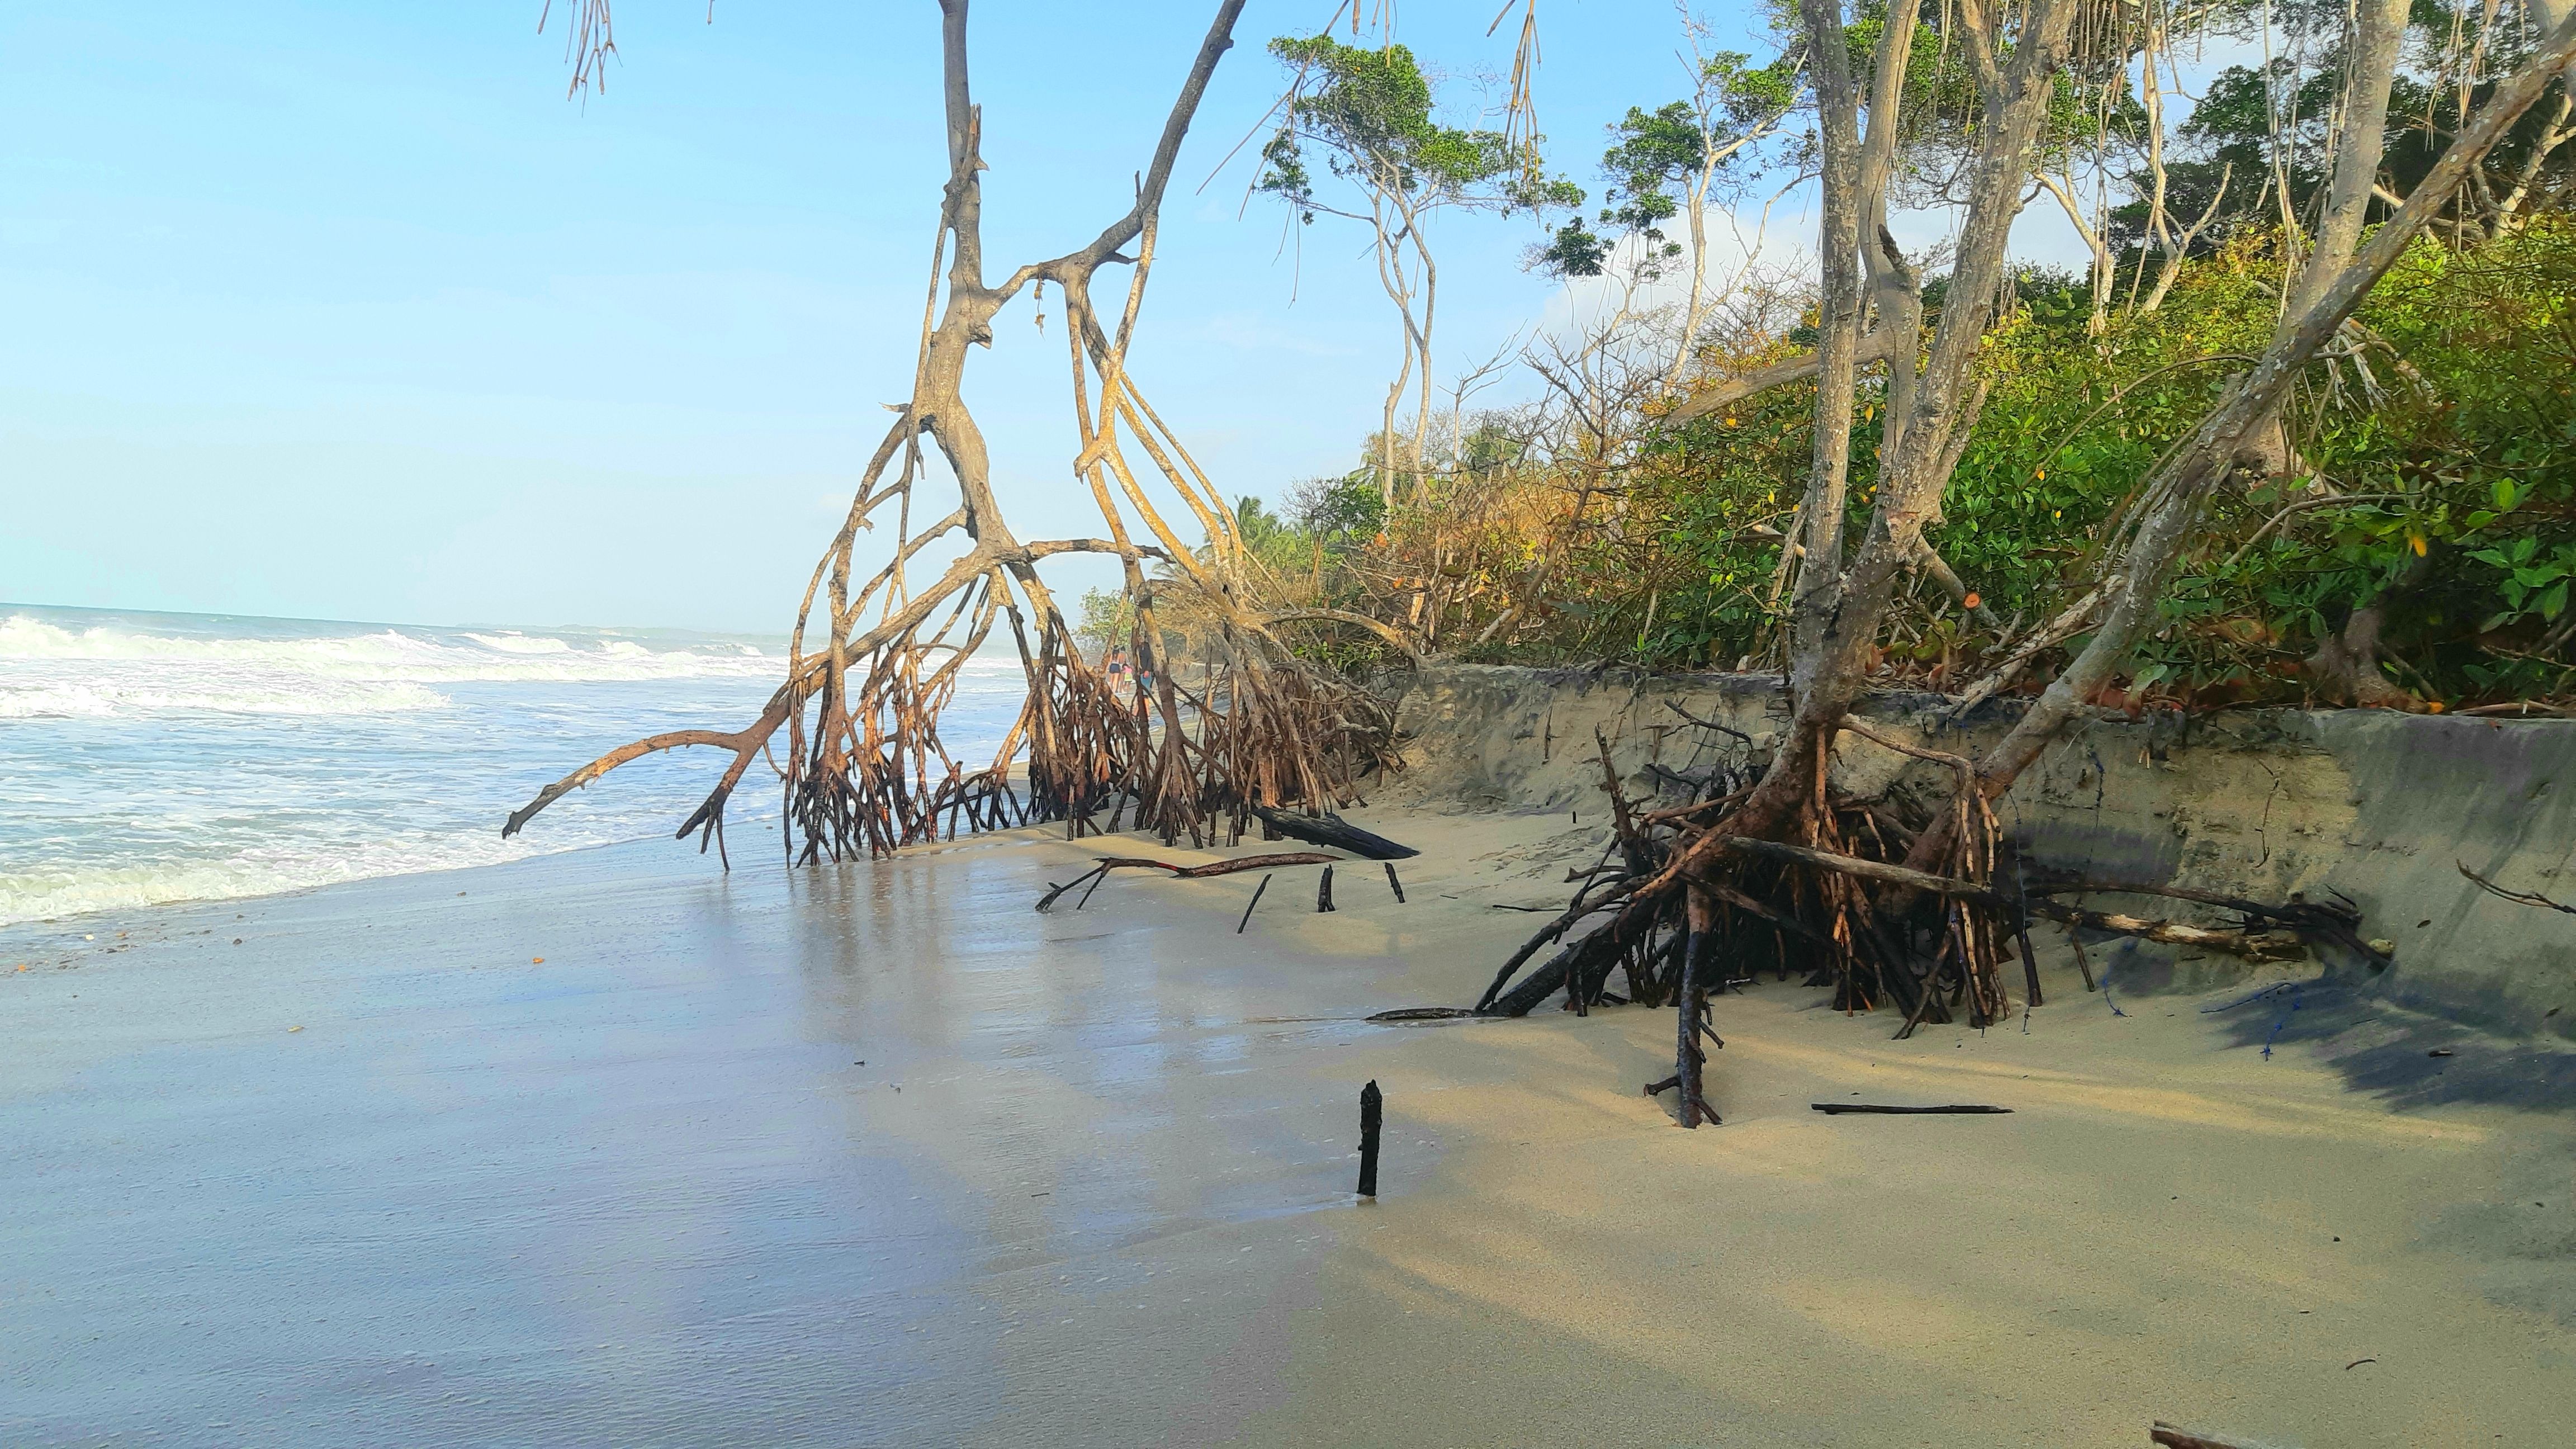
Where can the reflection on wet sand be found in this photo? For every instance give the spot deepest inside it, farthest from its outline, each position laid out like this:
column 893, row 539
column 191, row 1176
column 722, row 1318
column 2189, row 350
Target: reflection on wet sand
column 879, row 1155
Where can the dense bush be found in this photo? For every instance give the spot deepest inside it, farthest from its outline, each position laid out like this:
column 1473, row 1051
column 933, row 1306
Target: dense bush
column 2443, row 430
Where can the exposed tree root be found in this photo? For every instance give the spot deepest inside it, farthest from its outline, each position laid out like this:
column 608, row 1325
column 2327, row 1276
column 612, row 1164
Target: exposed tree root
column 1695, row 902
column 853, row 731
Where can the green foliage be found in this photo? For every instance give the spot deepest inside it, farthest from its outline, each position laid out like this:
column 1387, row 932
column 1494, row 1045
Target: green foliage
column 2446, row 431
column 1108, row 621
column 1656, row 157
column 2453, row 435
column 2452, row 59
column 1340, row 512
column 1370, row 110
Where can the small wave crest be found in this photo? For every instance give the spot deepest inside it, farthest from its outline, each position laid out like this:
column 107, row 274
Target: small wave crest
column 44, row 895
column 104, row 700
column 382, row 655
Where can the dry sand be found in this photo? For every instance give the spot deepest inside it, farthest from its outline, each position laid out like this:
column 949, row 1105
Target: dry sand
column 877, row 1155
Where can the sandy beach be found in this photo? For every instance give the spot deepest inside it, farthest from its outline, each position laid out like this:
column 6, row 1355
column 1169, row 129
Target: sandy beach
column 878, row 1155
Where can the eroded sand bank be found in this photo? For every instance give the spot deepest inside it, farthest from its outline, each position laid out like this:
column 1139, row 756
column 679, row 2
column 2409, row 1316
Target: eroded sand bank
column 880, row 1156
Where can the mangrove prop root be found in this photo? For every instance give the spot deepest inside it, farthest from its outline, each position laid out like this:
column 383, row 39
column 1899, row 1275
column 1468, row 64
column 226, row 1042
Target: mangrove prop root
column 1185, row 748
column 1892, row 911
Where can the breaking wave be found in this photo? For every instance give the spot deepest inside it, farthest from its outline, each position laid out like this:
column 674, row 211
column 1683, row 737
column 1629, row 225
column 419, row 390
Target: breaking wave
column 156, row 758
column 419, row 656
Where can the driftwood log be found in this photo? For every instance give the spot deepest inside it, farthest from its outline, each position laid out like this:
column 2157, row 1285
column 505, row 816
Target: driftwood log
column 1333, row 831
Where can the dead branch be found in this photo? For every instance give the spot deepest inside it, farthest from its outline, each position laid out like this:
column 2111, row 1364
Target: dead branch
column 1207, row 871
column 2519, row 898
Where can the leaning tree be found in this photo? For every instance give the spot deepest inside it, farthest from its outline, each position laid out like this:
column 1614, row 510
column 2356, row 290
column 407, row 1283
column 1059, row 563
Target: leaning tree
column 880, row 640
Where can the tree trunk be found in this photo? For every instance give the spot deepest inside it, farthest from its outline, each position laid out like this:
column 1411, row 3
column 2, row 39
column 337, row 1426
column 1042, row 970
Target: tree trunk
column 1838, row 310
column 1842, row 616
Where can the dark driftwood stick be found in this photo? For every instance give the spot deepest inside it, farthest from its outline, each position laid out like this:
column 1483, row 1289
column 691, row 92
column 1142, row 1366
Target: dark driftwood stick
column 1324, row 891
column 2173, row 1438
column 1372, row 1114
column 1701, row 914
column 1836, row 1109
column 1393, row 884
column 1248, row 905
column 2029, row 961
column 1097, row 877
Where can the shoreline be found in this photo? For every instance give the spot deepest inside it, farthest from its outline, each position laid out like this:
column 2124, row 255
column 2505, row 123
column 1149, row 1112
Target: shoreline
column 877, row 1154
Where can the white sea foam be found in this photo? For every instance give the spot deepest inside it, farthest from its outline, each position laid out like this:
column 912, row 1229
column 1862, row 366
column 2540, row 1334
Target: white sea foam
column 108, row 700
column 387, row 654
column 258, row 871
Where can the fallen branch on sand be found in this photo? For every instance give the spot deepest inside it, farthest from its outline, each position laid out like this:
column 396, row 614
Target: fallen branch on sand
column 1956, row 1109
column 2519, row 898
column 1213, row 868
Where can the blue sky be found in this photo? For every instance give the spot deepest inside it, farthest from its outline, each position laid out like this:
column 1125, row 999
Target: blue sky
column 344, row 311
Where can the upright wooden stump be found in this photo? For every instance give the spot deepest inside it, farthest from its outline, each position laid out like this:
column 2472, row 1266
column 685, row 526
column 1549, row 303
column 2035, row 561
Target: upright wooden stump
column 1372, row 1113
column 1692, row 1010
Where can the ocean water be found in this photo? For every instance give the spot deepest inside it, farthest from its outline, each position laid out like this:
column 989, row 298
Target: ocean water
column 149, row 758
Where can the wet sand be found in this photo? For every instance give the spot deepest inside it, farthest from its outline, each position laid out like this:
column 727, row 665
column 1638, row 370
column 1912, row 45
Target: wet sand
column 877, row 1155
